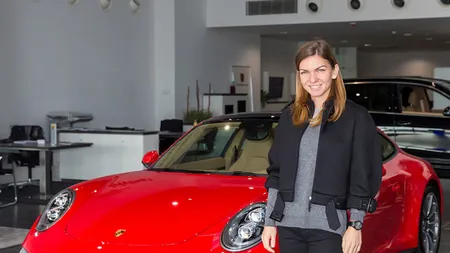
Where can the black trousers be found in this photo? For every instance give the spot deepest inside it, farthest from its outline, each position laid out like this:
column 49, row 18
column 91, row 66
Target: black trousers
column 298, row 240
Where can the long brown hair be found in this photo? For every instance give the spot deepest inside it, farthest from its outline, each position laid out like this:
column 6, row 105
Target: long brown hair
column 300, row 108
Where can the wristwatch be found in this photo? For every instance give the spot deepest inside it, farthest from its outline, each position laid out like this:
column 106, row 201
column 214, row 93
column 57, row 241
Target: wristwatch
column 355, row 224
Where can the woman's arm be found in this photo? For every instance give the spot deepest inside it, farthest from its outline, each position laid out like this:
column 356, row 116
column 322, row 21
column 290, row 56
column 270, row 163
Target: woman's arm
column 366, row 164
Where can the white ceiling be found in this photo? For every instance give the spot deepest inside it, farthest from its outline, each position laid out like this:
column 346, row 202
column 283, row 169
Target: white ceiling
column 430, row 34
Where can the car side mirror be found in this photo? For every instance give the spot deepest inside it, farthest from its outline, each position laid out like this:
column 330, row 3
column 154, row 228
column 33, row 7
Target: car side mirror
column 150, row 158
column 446, row 111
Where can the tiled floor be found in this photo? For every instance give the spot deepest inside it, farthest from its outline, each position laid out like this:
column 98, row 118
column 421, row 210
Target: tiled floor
column 23, row 215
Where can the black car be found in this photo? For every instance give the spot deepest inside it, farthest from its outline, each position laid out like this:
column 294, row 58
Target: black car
column 413, row 111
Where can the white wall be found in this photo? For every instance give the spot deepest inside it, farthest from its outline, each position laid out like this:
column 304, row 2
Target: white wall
column 54, row 56
column 391, row 63
column 223, row 13
column 207, row 55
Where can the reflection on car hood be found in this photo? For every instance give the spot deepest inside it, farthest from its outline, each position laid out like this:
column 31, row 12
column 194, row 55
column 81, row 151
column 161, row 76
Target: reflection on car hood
column 160, row 208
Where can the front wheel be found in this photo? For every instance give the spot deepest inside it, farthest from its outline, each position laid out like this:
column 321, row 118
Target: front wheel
column 430, row 222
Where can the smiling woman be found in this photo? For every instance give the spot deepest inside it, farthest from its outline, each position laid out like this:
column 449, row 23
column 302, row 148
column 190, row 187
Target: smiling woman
column 239, row 146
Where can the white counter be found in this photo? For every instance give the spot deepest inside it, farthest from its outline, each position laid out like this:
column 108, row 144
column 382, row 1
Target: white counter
column 112, row 152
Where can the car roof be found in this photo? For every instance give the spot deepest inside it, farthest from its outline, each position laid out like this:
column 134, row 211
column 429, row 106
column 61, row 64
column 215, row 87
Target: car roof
column 245, row 115
column 440, row 84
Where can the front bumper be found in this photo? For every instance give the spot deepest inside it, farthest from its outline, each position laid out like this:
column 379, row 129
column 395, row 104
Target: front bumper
column 57, row 241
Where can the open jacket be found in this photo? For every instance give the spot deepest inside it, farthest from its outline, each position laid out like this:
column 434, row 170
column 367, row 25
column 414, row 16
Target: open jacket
column 349, row 161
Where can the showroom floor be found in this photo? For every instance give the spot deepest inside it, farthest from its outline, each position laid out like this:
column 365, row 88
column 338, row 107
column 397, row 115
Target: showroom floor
column 23, row 215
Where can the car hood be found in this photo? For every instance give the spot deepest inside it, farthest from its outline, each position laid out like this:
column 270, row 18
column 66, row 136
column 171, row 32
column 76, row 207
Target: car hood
column 161, row 208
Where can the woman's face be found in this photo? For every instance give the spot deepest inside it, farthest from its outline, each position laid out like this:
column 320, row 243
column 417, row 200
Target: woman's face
column 316, row 76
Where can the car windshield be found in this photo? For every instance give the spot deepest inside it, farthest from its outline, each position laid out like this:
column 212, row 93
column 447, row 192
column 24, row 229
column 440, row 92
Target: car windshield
column 235, row 147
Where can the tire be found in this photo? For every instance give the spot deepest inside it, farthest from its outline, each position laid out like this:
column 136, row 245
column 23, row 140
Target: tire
column 430, row 225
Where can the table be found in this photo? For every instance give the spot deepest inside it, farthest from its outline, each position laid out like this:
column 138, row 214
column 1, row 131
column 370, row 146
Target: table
column 48, row 148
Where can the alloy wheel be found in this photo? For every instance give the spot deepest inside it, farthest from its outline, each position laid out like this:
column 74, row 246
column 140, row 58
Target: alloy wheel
column 430, row 223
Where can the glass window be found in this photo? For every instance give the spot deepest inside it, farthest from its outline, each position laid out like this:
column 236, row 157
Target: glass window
column 223, row 147
column 374, row 97
column 418, row 99
column 387, row 148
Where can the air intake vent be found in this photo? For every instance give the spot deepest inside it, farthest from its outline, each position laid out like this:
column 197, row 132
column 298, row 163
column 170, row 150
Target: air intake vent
column 267, row 7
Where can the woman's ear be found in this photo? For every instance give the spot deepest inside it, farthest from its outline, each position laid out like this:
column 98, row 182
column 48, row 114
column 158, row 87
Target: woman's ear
column 335, row 71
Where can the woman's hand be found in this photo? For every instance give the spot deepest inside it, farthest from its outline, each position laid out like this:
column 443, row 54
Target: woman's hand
column 268, row 238
column 351, row 242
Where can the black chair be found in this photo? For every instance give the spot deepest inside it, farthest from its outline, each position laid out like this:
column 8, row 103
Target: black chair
column 29, row 159
column 172, row 126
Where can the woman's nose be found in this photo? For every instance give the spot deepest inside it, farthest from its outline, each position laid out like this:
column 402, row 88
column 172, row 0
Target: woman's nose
column 312, row 77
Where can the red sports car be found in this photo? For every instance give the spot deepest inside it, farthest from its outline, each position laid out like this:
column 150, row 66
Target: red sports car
column 206, row 194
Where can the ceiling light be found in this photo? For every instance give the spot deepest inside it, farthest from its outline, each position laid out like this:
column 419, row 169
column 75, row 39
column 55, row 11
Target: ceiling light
column 394, row 32
column 429, row 38
column 344, row 41
column 73, row 2
column 354, row 4
column 447, row 42
column 407, row 34
column 134, row 5
column 398, row 3
column 283, row 32
column 105, row 4
column 367, row 45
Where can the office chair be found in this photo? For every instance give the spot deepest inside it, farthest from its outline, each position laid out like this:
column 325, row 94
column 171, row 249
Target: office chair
column 29, row 159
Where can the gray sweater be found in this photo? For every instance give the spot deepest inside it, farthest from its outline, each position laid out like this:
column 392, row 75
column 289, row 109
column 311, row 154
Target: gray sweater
column 297, row 213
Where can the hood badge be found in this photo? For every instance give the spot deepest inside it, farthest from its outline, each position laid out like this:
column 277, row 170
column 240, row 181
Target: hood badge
column 120, row 232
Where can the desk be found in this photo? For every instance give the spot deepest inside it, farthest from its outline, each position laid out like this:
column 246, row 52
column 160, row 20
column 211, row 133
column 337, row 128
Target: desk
column 49, row 149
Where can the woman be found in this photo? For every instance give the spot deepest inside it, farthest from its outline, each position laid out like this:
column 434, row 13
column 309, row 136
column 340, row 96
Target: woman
column 325, row 159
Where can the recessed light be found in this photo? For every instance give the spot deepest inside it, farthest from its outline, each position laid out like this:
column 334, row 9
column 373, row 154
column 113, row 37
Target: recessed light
column 429, row 38
column 447, row 42
column 344, row 41
column 367, row 45
column 317, row 38
column 283, row 32
column 394, row 32
column 407, row 34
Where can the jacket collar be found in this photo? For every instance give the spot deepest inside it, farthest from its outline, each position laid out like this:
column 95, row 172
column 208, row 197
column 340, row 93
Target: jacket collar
column 328, row 109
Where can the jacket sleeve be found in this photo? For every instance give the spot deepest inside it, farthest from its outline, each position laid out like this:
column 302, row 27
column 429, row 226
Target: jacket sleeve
column 273, row 170
column 366, row 164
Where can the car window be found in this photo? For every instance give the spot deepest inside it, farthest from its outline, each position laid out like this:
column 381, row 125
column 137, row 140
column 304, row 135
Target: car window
column 387, row 148
column 223, row 147
column 419, row 100
column 374, row 97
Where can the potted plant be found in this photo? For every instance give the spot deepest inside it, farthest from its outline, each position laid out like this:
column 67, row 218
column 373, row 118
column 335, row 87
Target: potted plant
column 193, row 116
column 264, row 98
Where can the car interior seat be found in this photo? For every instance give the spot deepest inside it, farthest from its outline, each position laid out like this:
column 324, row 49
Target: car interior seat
column 255, row 148
column 417, row 101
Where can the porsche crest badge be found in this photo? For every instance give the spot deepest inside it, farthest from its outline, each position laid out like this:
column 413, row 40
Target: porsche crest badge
column 120, row 232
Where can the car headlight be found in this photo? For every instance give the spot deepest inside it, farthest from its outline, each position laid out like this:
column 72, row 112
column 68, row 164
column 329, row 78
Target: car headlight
column 55, row 209
column 244, row 230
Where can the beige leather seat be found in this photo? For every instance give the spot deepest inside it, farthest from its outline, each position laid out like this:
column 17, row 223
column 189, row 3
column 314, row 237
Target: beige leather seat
column 254, row 157
column 414, row 102
column 418, row 101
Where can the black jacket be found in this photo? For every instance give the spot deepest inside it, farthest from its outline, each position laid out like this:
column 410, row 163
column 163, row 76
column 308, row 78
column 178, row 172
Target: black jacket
column 349, row 161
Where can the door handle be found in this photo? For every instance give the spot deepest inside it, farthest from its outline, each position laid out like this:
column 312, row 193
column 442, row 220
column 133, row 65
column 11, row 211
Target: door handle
column 404, row 123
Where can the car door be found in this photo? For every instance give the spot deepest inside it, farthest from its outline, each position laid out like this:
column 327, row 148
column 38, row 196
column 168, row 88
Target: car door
column 421, row 128
column 381, row 226
column 378, row 98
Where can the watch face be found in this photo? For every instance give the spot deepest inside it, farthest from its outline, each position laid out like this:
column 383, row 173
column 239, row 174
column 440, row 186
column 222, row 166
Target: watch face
column 356, row 225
